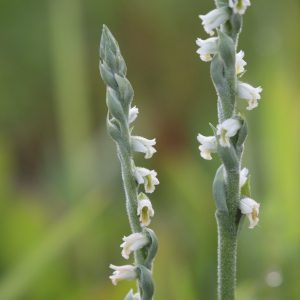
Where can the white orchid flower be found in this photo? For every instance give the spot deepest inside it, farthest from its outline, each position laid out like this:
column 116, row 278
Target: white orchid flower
column 226, row 130
column 126, row 272
column 144, row 209
column 249, row 93
column 214, row 19
column 208, row 146
column 207, row 48
column 250, row 208
column 133, row 242
column 143, row 145
column 146, row 177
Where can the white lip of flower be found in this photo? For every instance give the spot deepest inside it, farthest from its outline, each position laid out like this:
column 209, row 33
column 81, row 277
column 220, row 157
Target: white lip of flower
column 133, row 113
column 132, row 243
column 240, row 63
column 132, row 296
column 126, row 272
column 144, row 209
column 146, row 177
column 140, row 144
column 208, row 146
column 250, row 208
column 243, row 176
column 249, row 93
column 226, row 130
column 207, row 48
column 214, row 19
column 239, row 6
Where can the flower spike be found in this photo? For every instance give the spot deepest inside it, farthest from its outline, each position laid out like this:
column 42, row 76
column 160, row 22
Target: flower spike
column 121, row 115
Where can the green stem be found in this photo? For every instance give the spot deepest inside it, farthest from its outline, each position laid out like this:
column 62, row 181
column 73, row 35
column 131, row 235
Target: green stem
column 233, row 194
column 131, row 191
column 227, row 253
column 227, row 239
column 224, row 76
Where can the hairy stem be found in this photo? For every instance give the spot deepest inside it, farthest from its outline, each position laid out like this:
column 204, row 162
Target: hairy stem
column 130, row 188
column 227, row 253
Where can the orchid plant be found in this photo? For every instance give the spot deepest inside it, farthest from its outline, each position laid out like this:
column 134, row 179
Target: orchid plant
column 142, row 242
column 231, row 188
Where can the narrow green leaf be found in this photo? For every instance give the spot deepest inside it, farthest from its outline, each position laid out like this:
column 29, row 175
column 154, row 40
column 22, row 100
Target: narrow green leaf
column 146, row 282
column 219, row 190
column 152, row 248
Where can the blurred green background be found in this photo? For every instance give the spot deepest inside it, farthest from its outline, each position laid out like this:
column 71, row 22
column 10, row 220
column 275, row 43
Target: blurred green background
column 62, row 213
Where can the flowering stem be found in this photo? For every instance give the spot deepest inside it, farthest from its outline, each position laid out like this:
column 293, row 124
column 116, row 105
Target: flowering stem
column 231, row 185
column 142, row 241
column 131, row 189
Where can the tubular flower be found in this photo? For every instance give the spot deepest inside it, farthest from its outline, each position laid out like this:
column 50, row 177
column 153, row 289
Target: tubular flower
column 240, row 63
column 143, row 145
column 207, row 48
column 239, row 6
column 214, row 19
column 243, row 176
column 226, row 130
column 146, row 177
column 133, row 113
column 144, row 209
column 250, row 208
column 132, row 243
column 249, row 93
column 208, row 146
column 126, row 272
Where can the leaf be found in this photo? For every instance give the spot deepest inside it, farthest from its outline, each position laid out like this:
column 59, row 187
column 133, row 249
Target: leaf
column 219, row 191
column 152, row 248
column 145, row 282
column 227, row 51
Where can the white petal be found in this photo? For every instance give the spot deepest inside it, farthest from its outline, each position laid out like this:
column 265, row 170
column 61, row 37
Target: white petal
column 150, row 181
column 226, row 130
column 208, row 146
column 243, row 176
column 231, row 126
column 144, row 209
column 207, row 48
column 249, row 93
column 133, row 113
column 132, row 296
column 240, row 63
column 148, row 177
column 140, row 173
column 132, row 243
column 141, row 144
column 250, row 208
column 122, row 272
column 214, row 19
